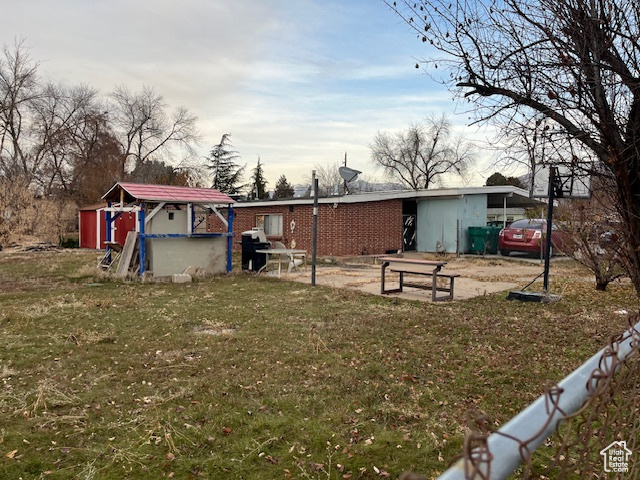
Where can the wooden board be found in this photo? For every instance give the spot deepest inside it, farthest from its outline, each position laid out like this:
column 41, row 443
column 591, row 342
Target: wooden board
column 127, row 254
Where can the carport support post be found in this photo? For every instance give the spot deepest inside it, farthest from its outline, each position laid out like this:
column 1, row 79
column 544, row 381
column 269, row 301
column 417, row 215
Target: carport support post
column 547, row 247
column 230, row 216
column 314, row 248
column 504, row 212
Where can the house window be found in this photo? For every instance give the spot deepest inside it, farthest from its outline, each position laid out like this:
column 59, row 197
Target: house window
column 271, row 224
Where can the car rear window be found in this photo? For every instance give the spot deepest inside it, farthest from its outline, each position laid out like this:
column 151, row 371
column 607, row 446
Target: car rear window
column 526, row 224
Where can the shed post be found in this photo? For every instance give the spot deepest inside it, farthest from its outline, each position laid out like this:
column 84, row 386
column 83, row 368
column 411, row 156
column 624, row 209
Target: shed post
column 230, row 217
column 98, row 229
column 141, row 238
column 107, row 217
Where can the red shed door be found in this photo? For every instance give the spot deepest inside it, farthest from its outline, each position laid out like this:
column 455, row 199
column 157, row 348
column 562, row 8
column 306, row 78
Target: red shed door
column 124, row 224
column 88, row 230
column 103, row 229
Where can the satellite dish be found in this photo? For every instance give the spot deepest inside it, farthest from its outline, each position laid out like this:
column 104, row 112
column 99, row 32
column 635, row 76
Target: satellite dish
column 348, row 174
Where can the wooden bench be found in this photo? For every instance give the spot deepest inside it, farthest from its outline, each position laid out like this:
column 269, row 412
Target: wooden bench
column 428, row 268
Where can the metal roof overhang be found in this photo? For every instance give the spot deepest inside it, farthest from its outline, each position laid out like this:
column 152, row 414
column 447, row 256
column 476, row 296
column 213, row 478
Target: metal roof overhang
column 138, row 192
column 497, row 200
column 516, row 197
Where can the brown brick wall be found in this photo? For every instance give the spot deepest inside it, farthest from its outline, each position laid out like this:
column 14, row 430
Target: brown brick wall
column 346, row 229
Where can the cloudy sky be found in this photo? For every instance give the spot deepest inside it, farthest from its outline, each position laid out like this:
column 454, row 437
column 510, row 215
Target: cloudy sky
column 296, row 82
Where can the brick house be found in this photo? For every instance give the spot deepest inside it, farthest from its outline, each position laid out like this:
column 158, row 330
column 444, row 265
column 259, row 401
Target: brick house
column 376, row 222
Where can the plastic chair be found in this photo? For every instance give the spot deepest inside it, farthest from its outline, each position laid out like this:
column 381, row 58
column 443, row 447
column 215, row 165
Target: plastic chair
column 287, row 258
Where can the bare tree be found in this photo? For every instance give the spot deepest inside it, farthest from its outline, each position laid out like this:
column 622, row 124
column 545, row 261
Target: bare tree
column 96, row 159
column 60, row 118
column 158, row 172
column 146, row 129
column 18, row 88
column 423, row 154
column 61, row 145
column 47, row 133
column 566, row 70
column 329, row 180
column 592, row 236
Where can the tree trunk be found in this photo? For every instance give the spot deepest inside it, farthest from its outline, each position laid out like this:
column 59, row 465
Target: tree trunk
column 601, row 285
column 629, row 206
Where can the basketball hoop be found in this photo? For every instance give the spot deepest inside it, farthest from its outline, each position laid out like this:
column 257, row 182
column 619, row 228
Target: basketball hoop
column 570, row 180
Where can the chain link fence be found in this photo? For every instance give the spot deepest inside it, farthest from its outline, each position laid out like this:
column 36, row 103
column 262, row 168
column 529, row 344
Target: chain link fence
column 587, row 426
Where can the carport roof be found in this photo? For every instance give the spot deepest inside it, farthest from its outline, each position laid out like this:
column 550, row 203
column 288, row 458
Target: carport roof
column 515, row 197
column 165, row 193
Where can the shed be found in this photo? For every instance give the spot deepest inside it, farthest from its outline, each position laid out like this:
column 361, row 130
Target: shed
column 92, row 226
column 171, row 226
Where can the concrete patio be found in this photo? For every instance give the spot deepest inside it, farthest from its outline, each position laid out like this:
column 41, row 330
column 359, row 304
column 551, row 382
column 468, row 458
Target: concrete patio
column 478, row 275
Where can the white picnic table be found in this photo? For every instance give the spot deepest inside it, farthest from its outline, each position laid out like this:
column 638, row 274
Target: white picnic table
column 282, row 255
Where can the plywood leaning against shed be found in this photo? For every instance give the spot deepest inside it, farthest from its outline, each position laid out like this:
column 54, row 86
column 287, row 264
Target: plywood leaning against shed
column 171, row 228
column 127, row 255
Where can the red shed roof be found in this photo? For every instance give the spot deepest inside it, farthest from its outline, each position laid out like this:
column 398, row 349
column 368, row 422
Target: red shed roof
column 166, row 193
column 93, row 207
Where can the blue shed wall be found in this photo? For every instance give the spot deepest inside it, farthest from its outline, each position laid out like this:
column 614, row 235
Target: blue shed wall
column 446, row 220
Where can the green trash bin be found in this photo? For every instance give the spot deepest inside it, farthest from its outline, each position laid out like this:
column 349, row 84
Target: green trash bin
column 483, row 240
column 491, row 239
column 476, row 240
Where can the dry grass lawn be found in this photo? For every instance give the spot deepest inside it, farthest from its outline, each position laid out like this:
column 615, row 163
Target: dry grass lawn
column 251, row 377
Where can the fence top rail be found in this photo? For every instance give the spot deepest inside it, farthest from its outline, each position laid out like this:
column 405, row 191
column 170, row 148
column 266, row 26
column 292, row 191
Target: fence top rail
column 527, row 430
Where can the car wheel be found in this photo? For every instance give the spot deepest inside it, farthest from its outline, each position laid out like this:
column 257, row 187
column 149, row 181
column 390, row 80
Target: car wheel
column 505, row 253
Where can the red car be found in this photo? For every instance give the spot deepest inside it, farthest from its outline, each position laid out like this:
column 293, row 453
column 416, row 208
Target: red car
column 527, row 236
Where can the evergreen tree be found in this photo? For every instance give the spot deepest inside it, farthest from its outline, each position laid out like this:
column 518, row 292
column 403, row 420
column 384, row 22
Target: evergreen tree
column 496, row 179
column 258, row 183
column 499, row 179
column 283, row 188
column 227, row 174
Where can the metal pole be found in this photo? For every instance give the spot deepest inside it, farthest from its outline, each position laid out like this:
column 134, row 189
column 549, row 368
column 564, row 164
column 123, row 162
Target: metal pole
column 314, row 249
column 230, row 217
column 547, row 247
column 345, row 180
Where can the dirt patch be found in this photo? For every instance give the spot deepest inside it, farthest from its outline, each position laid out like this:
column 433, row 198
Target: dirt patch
column 215, row 329
column 218, row 332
